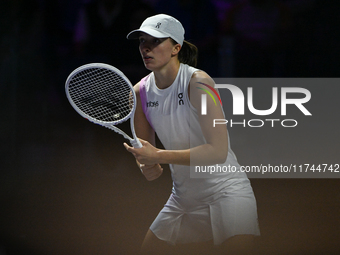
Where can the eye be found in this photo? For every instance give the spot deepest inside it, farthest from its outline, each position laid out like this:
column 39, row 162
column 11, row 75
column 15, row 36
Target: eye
column 156, row 40
column 141, row 40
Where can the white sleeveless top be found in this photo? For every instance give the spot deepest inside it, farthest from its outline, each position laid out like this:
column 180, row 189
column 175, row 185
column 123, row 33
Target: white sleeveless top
column 175, row 121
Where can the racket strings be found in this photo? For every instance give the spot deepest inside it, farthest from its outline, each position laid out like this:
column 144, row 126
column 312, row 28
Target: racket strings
column 102, row 94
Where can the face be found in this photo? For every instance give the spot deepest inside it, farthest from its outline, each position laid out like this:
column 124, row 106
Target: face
column 156, row 52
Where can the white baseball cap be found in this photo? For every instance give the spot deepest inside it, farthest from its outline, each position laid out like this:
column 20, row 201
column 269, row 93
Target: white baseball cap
column 160, row 26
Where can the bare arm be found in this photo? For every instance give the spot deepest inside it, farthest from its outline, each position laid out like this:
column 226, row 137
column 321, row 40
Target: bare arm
column 144, row 131
column 142, row 126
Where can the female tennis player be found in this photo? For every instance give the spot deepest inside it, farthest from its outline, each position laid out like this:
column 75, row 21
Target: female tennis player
column 202, row 215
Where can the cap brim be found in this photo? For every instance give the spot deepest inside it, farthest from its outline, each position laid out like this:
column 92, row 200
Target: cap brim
column 150, row 31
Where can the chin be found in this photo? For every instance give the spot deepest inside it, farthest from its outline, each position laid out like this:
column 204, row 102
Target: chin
column 149, row 67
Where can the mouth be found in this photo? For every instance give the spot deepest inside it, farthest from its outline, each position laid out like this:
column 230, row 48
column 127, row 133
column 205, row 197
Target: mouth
column 147, row 58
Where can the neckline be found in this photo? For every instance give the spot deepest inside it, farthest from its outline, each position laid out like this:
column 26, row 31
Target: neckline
column 161, row 91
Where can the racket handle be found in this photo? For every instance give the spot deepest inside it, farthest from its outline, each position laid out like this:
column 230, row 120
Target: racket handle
column 136, row 144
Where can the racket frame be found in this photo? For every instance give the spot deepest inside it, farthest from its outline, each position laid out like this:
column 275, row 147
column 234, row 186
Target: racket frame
column 110, row 125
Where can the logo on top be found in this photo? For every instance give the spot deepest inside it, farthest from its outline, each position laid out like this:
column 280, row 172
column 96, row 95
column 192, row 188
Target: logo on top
column 158, row 25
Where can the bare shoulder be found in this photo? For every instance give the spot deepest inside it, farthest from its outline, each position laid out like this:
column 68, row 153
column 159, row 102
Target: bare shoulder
column 137, row 85
column 200, row 74
column 199, row 82
column 199, row 78
column 136, row 88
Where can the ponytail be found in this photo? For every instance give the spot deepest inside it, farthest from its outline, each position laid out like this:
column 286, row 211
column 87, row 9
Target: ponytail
column 188, row 53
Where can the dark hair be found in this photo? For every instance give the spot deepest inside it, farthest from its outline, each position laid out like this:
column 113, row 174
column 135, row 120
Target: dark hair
column 188, row 53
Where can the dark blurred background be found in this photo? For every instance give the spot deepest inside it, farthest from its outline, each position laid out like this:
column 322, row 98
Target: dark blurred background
column 69, row 187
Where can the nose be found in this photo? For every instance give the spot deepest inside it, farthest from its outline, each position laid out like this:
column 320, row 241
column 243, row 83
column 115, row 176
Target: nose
column 144, row 47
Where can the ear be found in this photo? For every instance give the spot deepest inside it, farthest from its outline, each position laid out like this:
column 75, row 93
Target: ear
column 176, row 49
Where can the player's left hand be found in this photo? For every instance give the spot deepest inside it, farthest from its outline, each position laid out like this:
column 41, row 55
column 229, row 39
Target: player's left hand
column 151, row 172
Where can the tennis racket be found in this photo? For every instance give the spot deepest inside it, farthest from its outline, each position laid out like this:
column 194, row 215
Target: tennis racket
column 104, row 95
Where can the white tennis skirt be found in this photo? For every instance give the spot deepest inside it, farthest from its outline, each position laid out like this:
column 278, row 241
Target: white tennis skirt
column 231, row 214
